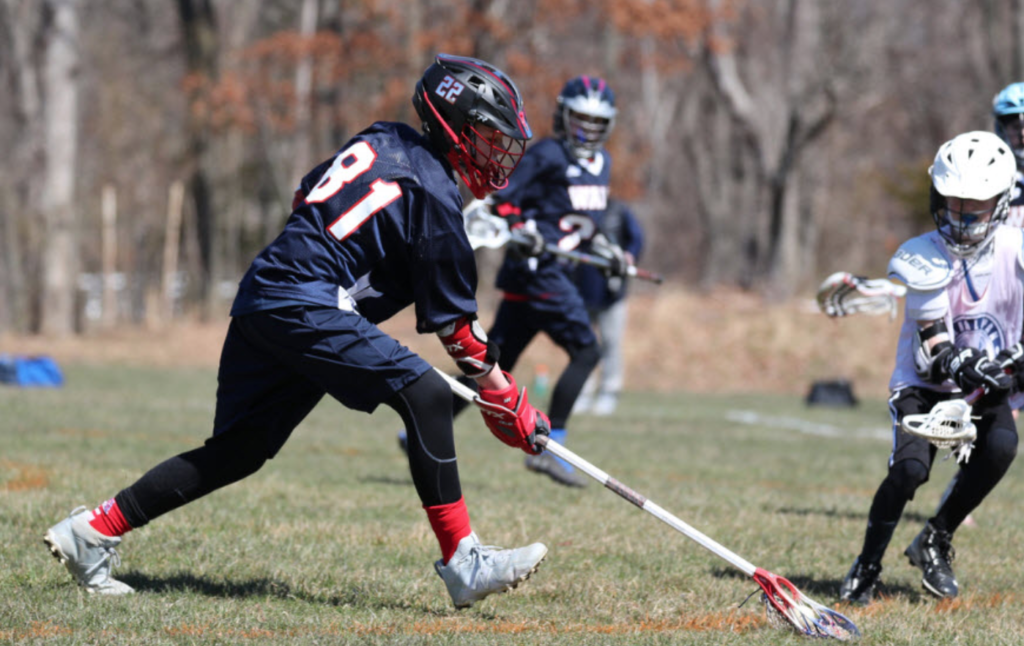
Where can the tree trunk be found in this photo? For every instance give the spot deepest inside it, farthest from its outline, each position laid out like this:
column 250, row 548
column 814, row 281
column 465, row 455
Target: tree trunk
column 301, row 160
column 60, row 253
column 200, row 31
column 108, row 252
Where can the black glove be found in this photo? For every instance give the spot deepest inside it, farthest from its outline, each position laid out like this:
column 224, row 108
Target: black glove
column 618, row 264
column 1011, row 360
column 527, row 243
column 972, row 369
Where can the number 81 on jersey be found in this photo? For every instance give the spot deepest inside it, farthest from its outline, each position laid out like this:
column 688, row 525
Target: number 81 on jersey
column 348, row 165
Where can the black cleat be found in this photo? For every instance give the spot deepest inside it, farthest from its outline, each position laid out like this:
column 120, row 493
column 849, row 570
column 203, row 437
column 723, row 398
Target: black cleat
column 859, row 585
column 932, row 551
column 552, row 467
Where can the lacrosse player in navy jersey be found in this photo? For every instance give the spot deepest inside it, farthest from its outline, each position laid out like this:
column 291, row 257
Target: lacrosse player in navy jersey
column 964, row 317
column 556, row 195
column 374, row 229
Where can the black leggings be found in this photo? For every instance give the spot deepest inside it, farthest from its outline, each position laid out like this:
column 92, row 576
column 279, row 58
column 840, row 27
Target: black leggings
column 424, row 405
column 994, row 450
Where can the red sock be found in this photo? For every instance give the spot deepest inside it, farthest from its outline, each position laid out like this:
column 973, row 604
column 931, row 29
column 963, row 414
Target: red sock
column 108, row 520
column 450, row 524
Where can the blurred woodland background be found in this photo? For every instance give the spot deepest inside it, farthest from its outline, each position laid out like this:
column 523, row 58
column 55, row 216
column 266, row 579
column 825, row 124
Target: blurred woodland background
column 151, row 147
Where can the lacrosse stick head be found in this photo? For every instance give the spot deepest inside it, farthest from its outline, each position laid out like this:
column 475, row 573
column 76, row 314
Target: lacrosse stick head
column 787, row 607
column 947, row 425
column 483, row 228
column 842, row 294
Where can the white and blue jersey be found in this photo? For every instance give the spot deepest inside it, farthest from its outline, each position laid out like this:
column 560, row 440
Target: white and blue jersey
column 988, row 319
column 379, row 228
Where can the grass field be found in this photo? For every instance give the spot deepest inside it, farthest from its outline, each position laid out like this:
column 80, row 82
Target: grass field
column 327, row 544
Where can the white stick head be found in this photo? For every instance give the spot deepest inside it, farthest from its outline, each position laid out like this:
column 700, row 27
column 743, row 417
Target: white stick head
column 842, row 294
column 947, row 425
column 483, row 228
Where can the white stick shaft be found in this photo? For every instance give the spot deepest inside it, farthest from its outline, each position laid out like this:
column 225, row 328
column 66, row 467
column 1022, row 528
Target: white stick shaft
column 622, row 490
column 650, row 507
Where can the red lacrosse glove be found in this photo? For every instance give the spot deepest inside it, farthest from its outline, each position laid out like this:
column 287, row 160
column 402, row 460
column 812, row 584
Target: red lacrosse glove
column 511, row 418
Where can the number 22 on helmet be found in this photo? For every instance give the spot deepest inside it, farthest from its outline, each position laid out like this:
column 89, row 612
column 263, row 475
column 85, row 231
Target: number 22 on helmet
column 473, row 114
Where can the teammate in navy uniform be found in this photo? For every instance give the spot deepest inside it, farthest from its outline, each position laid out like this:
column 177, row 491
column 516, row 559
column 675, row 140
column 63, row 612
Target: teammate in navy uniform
column 556, row 195
column 374, row 229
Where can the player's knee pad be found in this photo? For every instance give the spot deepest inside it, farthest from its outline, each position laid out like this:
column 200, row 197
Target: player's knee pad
column 429, row 395
column 906, row 476
column 425, row 407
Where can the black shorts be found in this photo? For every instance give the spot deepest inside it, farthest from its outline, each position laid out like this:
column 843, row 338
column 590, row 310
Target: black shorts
column 276, row 365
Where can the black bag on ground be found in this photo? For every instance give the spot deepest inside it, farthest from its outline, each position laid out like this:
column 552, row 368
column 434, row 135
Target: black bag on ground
column 832, row 392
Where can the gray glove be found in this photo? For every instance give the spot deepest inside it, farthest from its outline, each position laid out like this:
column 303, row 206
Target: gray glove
column 618, row 264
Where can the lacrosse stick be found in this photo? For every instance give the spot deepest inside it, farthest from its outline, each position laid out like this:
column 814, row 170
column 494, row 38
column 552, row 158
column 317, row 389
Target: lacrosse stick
column 487, row 230
column 947, row 425
column 842, row 294
column 784, row 604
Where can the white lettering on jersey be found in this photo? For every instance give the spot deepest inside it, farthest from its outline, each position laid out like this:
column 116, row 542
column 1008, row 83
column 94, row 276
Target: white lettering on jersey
column 981, row 332
column 588, row 198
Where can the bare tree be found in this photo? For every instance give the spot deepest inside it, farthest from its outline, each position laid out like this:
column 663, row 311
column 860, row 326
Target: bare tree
column 20, row 22
column 201, row 39
column 58, row 204
column 795, row 104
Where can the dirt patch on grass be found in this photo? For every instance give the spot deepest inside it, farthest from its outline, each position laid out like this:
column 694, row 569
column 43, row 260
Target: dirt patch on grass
column 677, row 340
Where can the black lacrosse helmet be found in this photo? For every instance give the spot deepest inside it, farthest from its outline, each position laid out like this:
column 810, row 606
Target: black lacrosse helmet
column 473, row 113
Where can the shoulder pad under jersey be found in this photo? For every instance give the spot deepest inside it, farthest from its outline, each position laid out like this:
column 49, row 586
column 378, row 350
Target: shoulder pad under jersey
column 921, row 264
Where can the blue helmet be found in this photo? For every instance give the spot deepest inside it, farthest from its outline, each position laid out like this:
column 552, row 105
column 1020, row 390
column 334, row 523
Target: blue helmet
column 1008, row 110
column 585, row 115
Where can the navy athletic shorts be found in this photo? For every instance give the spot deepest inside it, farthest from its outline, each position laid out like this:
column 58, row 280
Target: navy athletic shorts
column 277, row 365
column 565, row 320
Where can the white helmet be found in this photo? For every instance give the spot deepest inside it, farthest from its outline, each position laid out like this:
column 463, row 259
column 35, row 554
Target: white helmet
column 972, row 166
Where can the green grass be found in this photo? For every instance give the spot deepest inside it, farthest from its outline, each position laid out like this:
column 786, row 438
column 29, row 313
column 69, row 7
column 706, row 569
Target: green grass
column 328, row 543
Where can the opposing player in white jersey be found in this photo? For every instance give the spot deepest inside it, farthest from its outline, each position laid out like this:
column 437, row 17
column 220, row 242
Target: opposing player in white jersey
column 964, row 317
column 1008, row 112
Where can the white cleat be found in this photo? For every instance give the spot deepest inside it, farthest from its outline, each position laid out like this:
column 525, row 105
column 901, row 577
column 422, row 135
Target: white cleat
column 476, row 570
column 86, row 553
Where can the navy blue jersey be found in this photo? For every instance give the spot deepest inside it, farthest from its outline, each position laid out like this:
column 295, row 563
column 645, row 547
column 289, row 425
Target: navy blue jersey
column 563, row 196
column 380, row 228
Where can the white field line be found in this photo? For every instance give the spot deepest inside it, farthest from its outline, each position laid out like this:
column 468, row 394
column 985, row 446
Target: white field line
column 804, row 426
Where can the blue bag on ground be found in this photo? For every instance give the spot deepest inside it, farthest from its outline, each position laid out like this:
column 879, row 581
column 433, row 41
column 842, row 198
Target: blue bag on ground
column 30, row 372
